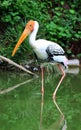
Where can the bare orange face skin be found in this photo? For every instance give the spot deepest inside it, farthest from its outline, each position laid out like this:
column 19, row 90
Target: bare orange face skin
column 28, row 29
column 30, row 25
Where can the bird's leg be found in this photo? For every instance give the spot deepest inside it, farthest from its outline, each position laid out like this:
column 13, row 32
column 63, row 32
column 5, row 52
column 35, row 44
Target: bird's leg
column 42, row 72
column 63, row 76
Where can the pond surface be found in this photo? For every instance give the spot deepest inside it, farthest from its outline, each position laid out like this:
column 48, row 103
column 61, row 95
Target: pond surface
column 22, row 106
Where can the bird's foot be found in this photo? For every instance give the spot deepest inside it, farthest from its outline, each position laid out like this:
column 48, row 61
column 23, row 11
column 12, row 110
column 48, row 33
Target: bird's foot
column 42, row 90
column 54, row 96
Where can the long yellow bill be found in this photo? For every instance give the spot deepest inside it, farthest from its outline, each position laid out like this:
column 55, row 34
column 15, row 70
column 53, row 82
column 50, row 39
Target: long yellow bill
column 25, row 33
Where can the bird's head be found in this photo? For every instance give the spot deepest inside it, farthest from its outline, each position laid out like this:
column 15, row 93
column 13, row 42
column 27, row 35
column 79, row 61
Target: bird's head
column 28, row 29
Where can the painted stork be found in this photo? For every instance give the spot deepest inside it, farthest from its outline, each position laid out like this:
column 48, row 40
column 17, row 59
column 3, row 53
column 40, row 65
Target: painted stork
column 44, row 50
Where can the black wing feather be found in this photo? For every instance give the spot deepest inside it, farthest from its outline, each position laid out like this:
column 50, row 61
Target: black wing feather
column 53, row 50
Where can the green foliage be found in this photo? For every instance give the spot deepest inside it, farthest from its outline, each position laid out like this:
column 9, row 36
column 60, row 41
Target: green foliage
column 60, row 21
column 65, row 25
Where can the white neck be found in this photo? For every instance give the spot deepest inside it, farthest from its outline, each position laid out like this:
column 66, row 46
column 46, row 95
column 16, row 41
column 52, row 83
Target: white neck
column 32, row 37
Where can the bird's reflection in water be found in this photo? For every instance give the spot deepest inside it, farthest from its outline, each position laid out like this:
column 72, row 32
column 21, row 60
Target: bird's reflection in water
column 41, row 112
column 60, row 123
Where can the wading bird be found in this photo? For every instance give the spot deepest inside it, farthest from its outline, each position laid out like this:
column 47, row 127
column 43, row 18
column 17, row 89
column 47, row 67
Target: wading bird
column 44, row 50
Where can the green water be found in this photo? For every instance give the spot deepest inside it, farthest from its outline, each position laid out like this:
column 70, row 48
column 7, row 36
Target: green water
column 21, row 108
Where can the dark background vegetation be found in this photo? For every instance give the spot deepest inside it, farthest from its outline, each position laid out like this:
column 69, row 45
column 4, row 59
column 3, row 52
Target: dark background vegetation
column 60, row 21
